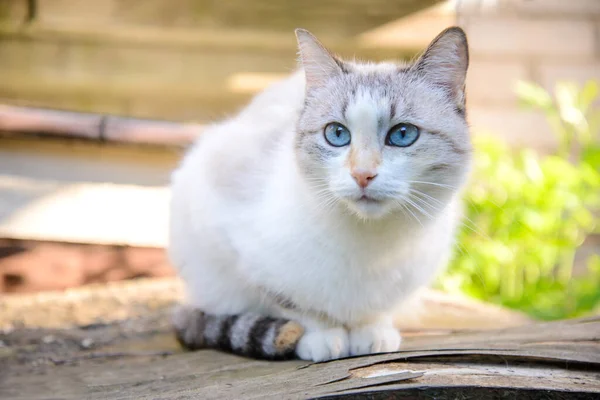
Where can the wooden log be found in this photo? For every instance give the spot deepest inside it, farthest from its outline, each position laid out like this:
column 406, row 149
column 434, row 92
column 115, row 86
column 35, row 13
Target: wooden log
column 139, row 359
column 27, row 120
column 124, row 348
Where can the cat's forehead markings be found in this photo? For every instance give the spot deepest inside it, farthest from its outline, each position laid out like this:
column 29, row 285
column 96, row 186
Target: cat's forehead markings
column 363, row 114
column 345, row 108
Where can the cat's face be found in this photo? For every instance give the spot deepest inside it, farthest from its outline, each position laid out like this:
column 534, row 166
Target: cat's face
column 382, row 138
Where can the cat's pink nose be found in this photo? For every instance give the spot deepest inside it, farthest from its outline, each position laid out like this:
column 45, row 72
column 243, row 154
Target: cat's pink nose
column 363, row 176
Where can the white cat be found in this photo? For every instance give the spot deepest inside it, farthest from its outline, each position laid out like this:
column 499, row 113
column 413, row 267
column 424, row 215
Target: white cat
column 301, row 223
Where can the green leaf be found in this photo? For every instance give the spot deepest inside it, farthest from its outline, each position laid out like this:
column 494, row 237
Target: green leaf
column 533, row 95
column 588, row 94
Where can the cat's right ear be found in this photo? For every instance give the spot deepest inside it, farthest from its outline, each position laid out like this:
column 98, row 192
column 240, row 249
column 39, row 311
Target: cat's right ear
column 445, row 62
column 318, row 63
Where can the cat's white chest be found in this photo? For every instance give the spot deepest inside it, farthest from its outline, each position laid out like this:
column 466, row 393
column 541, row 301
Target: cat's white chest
column 346, row 276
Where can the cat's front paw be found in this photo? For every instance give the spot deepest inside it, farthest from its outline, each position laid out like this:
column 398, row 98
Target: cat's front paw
column 374, row 339
column 323, row 345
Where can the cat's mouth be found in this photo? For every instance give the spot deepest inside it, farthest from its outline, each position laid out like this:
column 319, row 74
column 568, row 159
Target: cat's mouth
column 367, row 200
column 368, row 206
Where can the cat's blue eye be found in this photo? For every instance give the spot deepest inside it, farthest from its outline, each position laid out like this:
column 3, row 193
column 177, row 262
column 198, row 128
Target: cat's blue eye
column 337, row 134
column 402, row 135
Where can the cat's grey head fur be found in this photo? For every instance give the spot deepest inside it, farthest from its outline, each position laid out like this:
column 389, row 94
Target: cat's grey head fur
column 369, row 99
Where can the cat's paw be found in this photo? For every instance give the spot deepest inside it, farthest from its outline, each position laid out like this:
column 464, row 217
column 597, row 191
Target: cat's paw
column 371, row 339
column 323, row 345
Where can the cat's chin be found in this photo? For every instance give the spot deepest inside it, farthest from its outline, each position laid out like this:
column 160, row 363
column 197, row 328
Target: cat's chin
column 368, row 208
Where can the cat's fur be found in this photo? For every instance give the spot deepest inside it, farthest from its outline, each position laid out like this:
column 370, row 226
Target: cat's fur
column 267, row 221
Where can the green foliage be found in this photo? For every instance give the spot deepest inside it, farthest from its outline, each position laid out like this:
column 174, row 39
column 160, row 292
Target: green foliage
column 527, row 214
column 573, row 114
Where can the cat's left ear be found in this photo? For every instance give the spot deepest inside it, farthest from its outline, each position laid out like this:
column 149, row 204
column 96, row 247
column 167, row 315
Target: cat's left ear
column 318, row 63
column 445, row 62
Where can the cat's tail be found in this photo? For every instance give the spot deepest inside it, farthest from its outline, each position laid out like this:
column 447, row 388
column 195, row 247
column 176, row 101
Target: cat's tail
column 249, row 335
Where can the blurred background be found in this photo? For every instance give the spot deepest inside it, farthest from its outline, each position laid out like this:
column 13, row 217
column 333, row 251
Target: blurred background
column 83, row 193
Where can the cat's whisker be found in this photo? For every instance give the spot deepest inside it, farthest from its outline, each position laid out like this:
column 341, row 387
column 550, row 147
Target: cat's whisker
column 419, row 208
column 322, row 190
column 411, row 213
column 424, row 202
column 443, row 185
column 330, row 204
column 427, row 196
column 403, row 212
column 326, row 201
column 472, row 227
column 428, row 207
column 404, row 206
column 316, row 183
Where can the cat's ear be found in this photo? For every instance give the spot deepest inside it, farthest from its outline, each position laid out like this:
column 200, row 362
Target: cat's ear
column 318, row 63
column 445, row 62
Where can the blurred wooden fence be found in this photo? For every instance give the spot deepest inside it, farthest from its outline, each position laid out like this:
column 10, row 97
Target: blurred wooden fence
column 185, row 60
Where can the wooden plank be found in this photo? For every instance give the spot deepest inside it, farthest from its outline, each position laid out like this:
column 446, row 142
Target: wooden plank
column 145, row 72
column 338, row 17
column 118, row 57
column 139, row 359
column 44, row 122
column 14, row 12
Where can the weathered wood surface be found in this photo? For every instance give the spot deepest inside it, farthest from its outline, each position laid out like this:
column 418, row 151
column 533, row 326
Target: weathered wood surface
column 139, row 360
column 124, row 349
